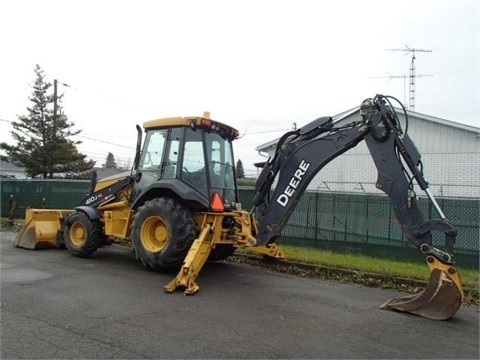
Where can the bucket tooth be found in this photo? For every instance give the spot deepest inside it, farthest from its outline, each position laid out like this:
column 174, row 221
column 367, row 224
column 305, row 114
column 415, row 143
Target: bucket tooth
column 440, row 300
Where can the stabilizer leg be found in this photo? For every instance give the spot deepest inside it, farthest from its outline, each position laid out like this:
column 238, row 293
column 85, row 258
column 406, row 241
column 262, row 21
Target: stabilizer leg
column 193, row 263
column 271, row 250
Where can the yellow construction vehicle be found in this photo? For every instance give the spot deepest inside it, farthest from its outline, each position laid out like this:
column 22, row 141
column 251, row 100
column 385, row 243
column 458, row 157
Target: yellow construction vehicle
column 179, row 204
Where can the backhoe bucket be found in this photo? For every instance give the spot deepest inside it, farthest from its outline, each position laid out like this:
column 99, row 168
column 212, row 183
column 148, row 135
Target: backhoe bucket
column 440, row 300
column 41, row 228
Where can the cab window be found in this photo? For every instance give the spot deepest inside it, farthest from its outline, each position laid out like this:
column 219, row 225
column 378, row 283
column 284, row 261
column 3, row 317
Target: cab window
column 153, row 150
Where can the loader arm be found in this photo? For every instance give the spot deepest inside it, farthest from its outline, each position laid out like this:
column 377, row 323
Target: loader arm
column 301, row 154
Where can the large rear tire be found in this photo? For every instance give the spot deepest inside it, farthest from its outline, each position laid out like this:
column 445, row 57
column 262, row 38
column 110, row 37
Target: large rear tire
column 162, row 232
column 82, row 236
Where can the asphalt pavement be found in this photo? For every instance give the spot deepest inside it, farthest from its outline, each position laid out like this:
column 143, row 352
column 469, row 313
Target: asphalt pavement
column 56, row 306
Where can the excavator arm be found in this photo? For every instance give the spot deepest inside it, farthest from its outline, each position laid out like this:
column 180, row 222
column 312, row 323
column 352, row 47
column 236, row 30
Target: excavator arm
column 301, row 154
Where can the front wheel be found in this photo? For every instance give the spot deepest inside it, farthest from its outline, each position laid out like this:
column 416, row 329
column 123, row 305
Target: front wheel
column 82, row 236
column 162, row 232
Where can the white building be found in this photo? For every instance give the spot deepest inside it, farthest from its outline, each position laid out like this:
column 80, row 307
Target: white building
column 450, row 155
column 11, row 171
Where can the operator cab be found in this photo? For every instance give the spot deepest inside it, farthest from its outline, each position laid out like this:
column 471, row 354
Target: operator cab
column 191, row 157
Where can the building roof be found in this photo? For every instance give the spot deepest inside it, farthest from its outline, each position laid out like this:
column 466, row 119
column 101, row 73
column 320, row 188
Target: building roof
column 410, row 114
column 445, row 122
column 107, row 172
column 9, row 169
column 7, row 165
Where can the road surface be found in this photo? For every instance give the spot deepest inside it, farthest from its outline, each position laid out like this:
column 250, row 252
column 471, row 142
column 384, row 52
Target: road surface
column 54, row 305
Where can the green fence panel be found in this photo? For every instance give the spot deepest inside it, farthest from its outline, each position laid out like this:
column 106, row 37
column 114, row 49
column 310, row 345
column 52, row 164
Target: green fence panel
column 58, row 194
column 325, row 220
column 366, row 223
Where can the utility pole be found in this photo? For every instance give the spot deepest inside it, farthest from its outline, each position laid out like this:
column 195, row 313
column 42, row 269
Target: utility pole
column 54, row 120
column 54, row 100
column 54, row 129
column 411, row 104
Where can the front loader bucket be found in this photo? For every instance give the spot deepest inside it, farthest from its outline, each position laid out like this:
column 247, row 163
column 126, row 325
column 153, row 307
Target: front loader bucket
column 440, row 300
column 41, row 228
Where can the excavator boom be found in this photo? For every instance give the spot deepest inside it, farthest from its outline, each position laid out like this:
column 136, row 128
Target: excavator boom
column 301, row 154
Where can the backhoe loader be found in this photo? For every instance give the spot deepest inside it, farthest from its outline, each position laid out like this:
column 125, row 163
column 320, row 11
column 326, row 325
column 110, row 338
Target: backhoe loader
column 179, row 203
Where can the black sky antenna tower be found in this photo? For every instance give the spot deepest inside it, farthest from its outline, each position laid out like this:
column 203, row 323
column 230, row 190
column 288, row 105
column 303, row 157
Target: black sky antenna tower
column 406, row 50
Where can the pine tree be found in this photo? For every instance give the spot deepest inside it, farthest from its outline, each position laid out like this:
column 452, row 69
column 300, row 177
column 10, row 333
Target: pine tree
column 43, row 144
column 110, row 162
column 239, row 172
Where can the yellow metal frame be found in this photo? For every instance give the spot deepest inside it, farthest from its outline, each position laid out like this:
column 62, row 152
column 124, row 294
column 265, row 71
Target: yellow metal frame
column 117, row 218
column 451, row 273
column 270, row 250
column 211, row 234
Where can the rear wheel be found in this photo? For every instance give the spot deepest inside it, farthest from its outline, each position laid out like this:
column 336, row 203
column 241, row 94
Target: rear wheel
column 162, row 232
column 82, row 236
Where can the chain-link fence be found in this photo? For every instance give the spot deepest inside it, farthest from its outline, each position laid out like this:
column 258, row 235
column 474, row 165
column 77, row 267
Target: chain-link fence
column 325, row 220
column 366, row 223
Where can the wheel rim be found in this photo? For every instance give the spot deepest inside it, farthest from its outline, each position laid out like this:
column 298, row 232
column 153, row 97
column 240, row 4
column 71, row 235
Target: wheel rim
column 154, row 234
column 78, row 234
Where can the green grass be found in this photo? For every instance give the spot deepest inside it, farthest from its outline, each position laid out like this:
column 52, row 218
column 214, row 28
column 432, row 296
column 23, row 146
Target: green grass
column 364, row 263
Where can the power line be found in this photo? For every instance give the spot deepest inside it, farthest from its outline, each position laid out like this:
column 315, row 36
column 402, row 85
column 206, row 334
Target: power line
column 264, row 132
column 89, row 138
column 106, row 142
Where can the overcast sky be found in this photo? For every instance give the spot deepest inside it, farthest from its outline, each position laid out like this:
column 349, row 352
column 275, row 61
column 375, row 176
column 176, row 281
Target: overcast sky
column 257, row 65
